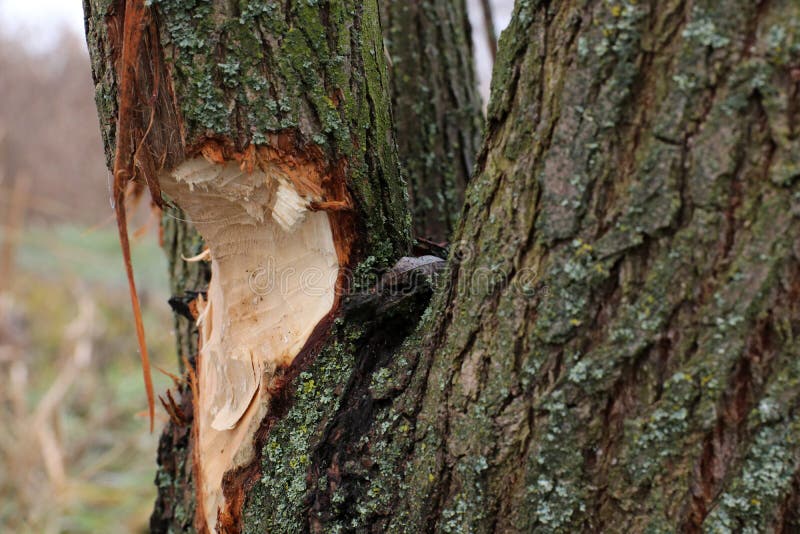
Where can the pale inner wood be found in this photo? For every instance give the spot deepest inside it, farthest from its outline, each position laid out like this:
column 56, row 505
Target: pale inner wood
column 274, row 268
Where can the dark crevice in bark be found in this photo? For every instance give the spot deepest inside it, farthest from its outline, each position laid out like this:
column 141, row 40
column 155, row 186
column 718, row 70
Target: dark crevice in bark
column 721, row 449
column 379, row 342
column 788, row 515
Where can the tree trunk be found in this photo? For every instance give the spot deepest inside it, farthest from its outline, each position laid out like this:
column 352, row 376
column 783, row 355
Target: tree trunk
column 269, row 128
column 612, row 347
column 437, row 108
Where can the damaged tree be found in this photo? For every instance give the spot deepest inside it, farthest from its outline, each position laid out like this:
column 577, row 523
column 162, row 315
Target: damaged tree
column 287, row 170
column 613, row 344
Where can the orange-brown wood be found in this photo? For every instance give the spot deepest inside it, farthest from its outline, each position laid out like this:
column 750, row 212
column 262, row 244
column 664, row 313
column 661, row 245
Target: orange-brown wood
column 133, row 26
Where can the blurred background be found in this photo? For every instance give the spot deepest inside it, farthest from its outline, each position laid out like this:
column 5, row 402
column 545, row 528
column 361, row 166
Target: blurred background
column 75, row 451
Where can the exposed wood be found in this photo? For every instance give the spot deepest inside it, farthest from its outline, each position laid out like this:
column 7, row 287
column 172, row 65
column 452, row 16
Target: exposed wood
column 274, row 275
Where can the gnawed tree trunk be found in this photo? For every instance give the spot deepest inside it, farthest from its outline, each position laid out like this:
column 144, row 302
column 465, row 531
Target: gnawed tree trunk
column 269, row 127
column 613, row 347
column 437, row 108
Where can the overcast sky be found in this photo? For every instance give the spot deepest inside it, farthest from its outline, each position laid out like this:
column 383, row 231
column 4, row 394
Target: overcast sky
column 42, row 18
column 45, row 19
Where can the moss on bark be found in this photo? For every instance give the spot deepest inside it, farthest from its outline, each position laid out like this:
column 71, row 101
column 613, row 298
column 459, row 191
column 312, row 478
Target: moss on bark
column 637, row 310
column 614, row 344
column 437, row 108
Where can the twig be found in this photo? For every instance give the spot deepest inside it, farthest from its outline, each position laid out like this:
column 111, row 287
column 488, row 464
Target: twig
column 79, row 332
column 488, row 22
column 13, row 224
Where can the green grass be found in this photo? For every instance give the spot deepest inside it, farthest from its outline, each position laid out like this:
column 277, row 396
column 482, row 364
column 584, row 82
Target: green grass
column 92, row 255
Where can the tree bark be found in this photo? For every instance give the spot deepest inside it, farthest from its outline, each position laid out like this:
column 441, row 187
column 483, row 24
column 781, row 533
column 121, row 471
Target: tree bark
column 299, row 94
column 437, row 108
column 613, row 346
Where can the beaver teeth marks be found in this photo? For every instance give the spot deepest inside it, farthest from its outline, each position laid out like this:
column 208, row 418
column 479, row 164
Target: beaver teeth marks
column 274, row 268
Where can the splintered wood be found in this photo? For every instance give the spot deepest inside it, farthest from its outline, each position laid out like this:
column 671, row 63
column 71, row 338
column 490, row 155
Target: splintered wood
column 274, row 272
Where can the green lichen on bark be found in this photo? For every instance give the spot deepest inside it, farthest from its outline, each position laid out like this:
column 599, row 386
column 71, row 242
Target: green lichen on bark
column 437, row 108
column 240, row 72
column 247, row 70
column 278, row 502
column 103, row 75
column 632, row 174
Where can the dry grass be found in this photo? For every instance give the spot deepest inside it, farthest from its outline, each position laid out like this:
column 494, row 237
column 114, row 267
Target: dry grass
column 75, row 454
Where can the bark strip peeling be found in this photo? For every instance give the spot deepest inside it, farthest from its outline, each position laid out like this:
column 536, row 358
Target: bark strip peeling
column 123, row 169
column 274, row 271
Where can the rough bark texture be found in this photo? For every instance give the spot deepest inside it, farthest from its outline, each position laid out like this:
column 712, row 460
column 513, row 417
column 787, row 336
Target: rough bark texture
column 614, row 347
column 631, row 364
column 175, row 506
column 437, row 108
